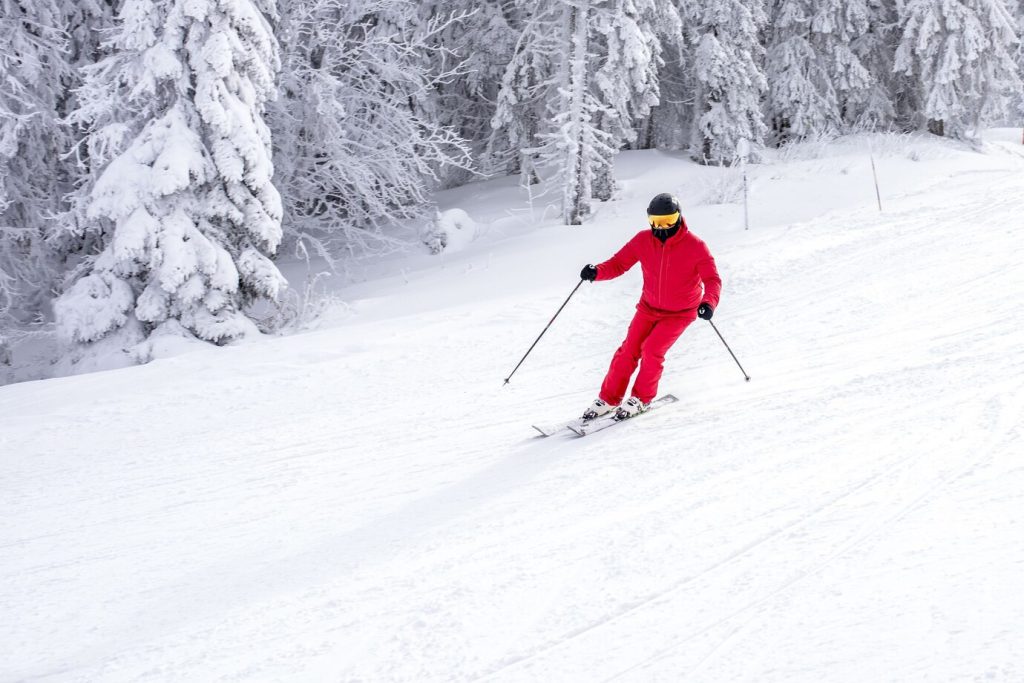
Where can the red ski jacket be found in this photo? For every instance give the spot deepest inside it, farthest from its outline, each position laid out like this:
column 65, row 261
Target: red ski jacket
column 679, row 275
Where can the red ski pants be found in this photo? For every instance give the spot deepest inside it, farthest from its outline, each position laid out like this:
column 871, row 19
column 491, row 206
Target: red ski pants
column 649, row 338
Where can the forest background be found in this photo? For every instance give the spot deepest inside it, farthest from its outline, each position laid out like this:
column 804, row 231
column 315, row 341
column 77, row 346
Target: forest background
column 159, row 158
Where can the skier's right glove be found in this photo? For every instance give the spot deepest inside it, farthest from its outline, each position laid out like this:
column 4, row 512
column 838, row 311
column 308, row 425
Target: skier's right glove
column 589, row 273
column 705, row 311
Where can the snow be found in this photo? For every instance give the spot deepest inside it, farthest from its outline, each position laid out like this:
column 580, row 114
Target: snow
column 449, row 231
column 367, row 502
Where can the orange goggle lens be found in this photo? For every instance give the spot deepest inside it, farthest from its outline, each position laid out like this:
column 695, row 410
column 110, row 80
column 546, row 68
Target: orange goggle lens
column 664, row 221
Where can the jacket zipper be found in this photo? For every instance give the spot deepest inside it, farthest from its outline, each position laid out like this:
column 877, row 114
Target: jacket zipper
column 661, row 270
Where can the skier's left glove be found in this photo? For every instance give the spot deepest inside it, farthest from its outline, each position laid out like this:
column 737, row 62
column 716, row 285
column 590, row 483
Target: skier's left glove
column 705, row 311
column 589, row 273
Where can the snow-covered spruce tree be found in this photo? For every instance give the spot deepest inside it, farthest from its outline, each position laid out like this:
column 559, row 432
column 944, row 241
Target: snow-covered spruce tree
column 1020, row 61
column 811, row 67
column 597, row 82
column 560, row 105
column 960, row 54
column 525, row 91
column 876, row 107
column 34, row 77
column 358, row 143
column 626, row 77
column 88, row 23
column 184, row 199
column 730, row 80
column 670, row 124
column 577, row 145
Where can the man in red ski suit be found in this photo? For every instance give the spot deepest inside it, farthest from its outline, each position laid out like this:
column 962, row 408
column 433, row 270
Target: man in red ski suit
column 681, row 283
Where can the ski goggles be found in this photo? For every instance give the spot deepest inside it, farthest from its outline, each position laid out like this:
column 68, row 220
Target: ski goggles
column 663, row 222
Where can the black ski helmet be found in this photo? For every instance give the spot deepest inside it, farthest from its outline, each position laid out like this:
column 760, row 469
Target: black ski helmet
column 663, row 204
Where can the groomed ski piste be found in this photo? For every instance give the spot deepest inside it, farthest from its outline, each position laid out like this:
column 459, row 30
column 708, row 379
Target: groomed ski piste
column 367, row 502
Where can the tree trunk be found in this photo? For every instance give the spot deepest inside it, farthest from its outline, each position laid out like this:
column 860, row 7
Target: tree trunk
column 648, row 132
column 577, row 190
column 937, row 127
column 780, row 126
column 604, row 178
column 604, row 181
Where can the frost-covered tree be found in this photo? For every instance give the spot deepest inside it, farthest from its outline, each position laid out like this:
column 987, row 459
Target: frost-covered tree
column 960, row 55
column 671, row 122
column 1020, row 61
column 875, row 107
column 181, row 198
column 87, row 24
column 577, row 145
column 729, row 79
column 812, row 68
column 801, row 99
column 34, row 76
column 547, row 110
column 467, row 60
column 582, row 80
column 626, row 76
column 527, row 86
column 359, row 144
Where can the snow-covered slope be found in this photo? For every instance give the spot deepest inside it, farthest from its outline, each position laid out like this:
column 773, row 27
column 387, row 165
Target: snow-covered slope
column 367, row 502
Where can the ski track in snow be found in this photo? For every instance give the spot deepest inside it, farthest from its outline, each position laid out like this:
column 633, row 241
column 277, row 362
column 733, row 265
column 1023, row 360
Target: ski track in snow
column 367, row 503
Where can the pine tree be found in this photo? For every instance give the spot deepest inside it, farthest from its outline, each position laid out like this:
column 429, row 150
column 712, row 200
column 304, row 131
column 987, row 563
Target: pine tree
column 181, row 199
column 671, row 123
column 1020, row 62
column 582, row 80
column 547, row 111
column 626, row 77
column 35, row 76
column 578, row 145
column 729, row 79
column 88, row 24
column 527, row 86
column 876, row 107
column 813, row 70
column 960, row 55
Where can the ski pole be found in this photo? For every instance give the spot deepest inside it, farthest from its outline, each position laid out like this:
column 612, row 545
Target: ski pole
column 545, row 330
column 874, row 173
column 730, row 351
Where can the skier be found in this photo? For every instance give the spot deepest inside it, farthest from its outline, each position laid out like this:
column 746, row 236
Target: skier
column 681, row 283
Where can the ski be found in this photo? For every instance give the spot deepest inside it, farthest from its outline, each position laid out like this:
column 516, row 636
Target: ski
column 578, row 423
column 550, row 430
column 608, row 420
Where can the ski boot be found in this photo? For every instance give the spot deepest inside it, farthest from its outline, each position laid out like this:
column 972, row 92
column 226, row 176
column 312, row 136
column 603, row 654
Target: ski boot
column 597, row 409
column 631, row 408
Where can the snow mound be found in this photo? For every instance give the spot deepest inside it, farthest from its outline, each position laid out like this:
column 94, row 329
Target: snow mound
column 450, row 231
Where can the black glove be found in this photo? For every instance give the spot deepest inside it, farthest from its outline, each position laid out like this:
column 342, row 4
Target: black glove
column 589, row 273
column 705, row 311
